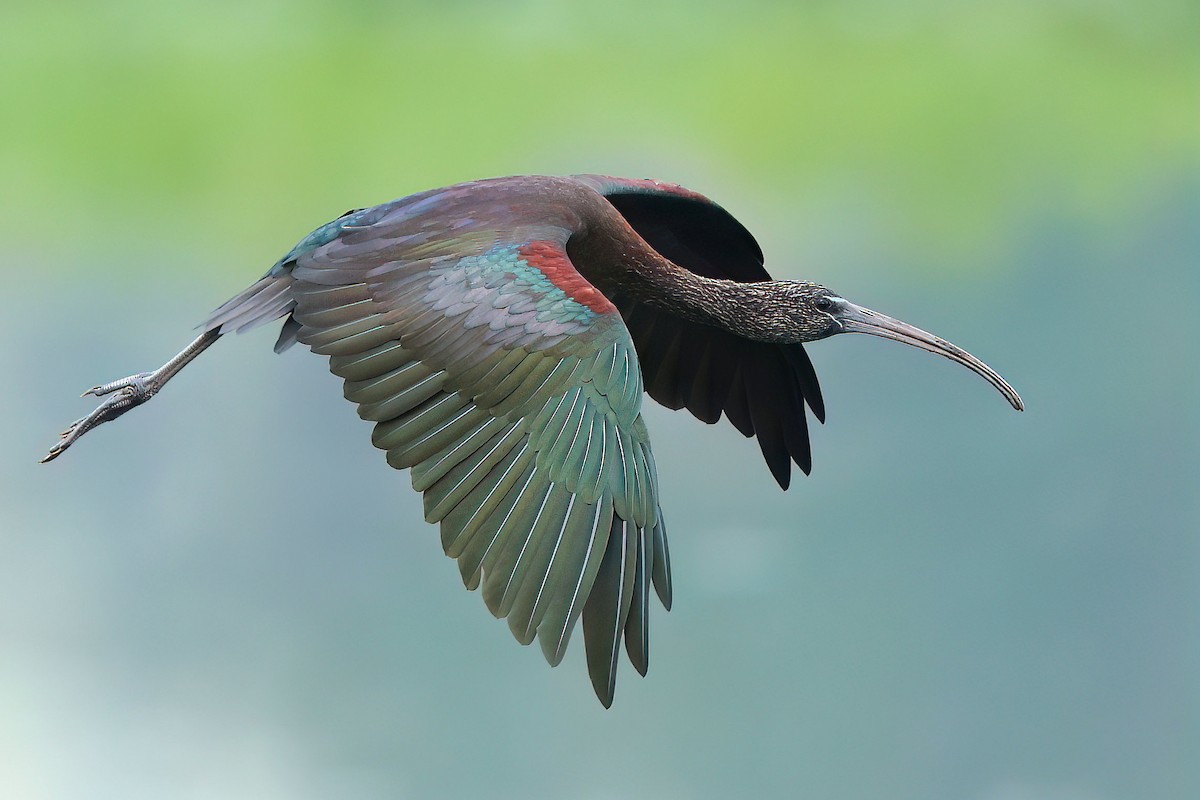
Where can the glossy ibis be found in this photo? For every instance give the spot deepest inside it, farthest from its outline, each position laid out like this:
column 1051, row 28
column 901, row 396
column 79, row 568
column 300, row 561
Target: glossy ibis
column 500, row 333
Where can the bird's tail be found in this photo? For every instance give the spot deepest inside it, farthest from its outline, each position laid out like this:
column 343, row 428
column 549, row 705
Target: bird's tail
column 267, row 299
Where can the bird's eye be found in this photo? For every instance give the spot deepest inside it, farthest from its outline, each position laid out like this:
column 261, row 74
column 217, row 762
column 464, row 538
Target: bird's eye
column 823, row 304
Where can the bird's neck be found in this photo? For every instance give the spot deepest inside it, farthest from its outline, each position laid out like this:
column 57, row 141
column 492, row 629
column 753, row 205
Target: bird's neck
column 617, row 261
column 744, row 309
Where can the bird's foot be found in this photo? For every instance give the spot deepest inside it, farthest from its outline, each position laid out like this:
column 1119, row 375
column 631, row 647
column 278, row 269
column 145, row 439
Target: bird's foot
column 119, row 397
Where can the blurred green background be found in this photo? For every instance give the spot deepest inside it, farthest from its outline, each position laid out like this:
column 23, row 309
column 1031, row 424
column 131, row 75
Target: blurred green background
column 229, row 595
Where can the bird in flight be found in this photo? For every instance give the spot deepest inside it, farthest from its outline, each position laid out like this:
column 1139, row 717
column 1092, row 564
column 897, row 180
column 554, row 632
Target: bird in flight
column 500, row 334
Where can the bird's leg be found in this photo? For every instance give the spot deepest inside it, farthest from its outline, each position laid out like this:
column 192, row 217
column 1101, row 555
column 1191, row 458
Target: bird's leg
column 122, row 395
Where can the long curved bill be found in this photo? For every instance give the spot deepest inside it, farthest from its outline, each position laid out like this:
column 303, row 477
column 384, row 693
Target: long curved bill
column 856, row 319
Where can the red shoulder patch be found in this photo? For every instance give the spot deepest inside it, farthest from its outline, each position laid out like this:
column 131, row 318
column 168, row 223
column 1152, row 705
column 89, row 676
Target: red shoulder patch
column 549, row 259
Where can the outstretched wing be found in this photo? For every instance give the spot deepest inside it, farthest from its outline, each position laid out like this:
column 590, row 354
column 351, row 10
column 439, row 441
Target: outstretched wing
column 511, row 389
column 762, row 388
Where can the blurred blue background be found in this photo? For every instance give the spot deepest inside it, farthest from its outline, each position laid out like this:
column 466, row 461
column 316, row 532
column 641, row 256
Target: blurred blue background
column 229, row 595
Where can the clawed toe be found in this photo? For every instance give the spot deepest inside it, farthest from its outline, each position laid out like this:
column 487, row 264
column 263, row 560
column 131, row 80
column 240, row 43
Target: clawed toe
column 66, row 439
column 121, row 396
column 136, row 382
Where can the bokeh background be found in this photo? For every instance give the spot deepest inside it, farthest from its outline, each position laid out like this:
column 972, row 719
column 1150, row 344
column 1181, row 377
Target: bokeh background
column 229, row 595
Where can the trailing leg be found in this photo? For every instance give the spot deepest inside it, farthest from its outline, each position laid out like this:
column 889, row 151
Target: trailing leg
column 127, row 393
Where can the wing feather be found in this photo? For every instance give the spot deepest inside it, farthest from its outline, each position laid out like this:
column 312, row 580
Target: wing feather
column 448, row 491
column 607, row 608
column 637, row 627
column 516, row 408
column 662, row 564
column 381, row 387
column 516, row 538
column 488, row 520
column 533, row 563
column 576, row 577
column 426, row 385
column 429, row 471
column 461, row 525
column 371, row 363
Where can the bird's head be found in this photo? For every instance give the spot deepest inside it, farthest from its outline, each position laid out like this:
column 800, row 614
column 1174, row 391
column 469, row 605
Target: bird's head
column 811, row 312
